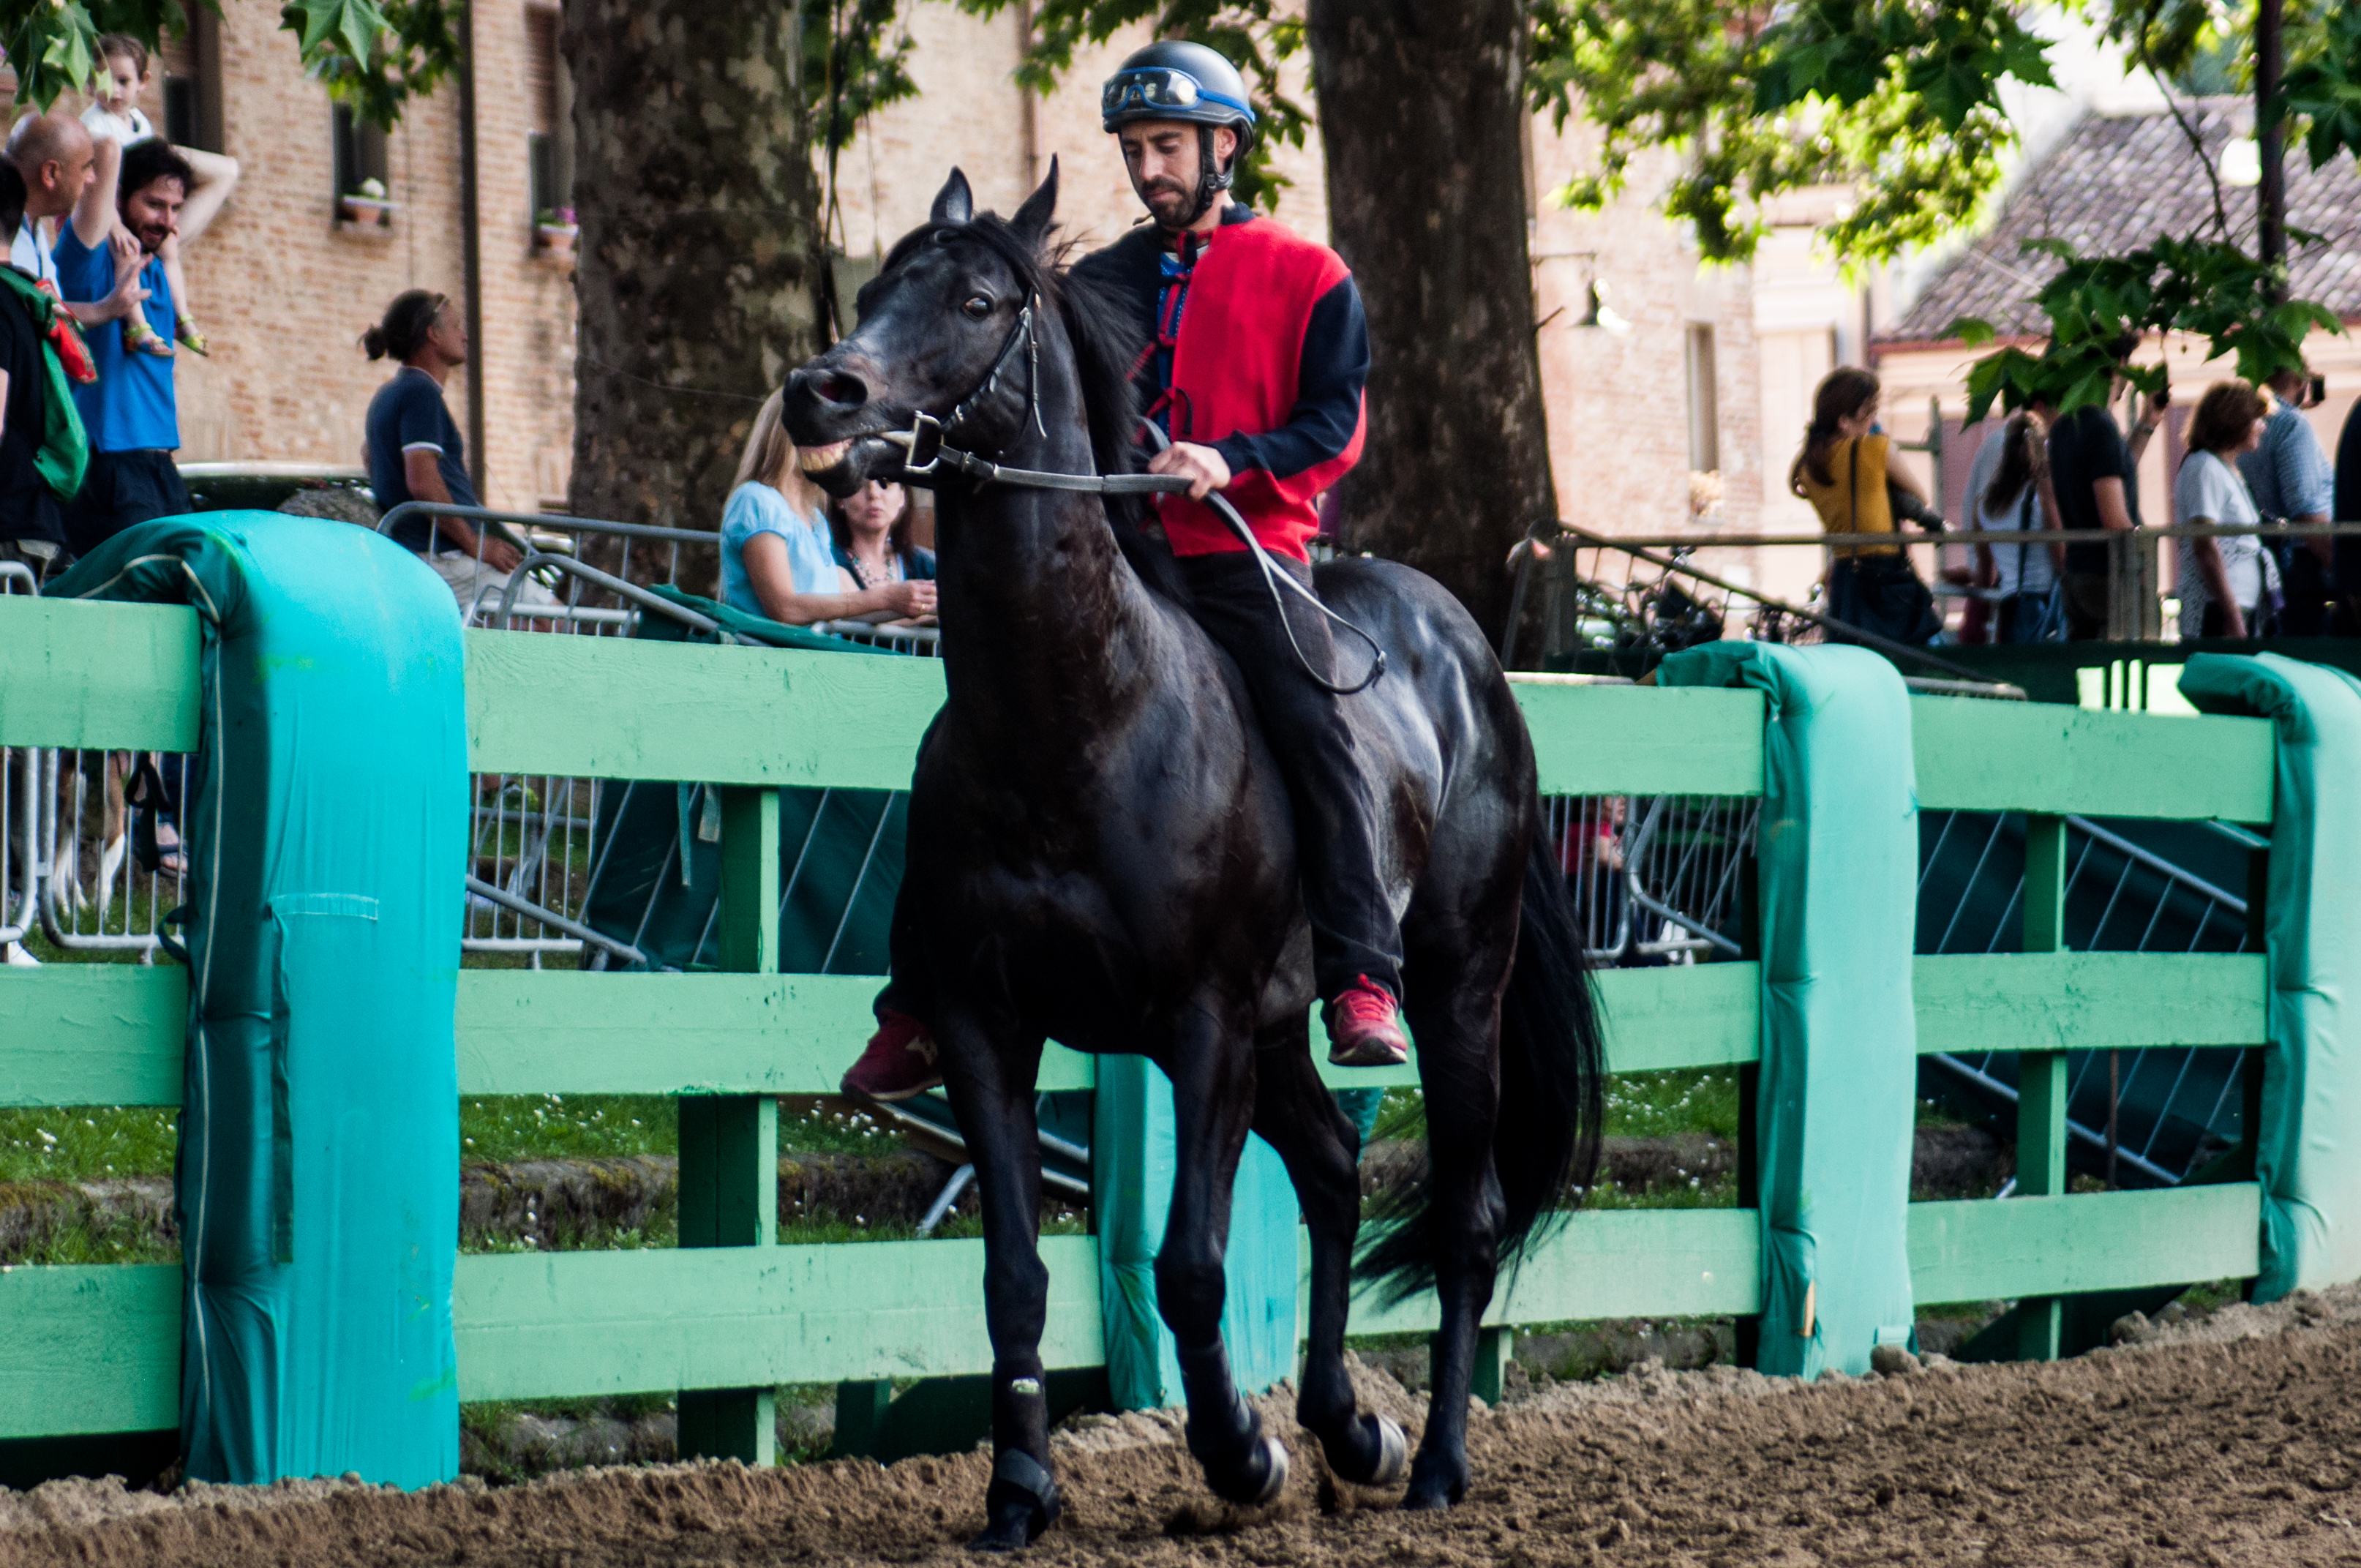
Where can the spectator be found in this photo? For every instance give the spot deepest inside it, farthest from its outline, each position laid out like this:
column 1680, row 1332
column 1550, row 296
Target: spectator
column 1849, row 471
column 66, row 176
column 2290, row 479
column 2222, row 581
column 115, row 116
column 2008, row 491
column 870, row 528
column 2348, row 510
column 415, row 452
column 776, row 558
column 42, row 451
column 129, row 412
column 2094, row 474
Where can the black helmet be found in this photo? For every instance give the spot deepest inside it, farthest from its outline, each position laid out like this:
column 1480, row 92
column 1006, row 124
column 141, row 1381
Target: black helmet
column 1174, row 81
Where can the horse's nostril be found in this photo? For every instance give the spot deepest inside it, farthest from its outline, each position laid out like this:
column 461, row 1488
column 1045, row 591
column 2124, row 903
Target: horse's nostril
column 844, row 391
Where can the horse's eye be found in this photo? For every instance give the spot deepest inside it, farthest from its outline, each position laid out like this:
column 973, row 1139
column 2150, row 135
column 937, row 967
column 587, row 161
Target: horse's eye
column 978, row 307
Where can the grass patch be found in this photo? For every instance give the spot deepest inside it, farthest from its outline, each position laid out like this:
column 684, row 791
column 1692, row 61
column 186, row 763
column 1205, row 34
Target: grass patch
column 1665, row 1104
column 87, row 1142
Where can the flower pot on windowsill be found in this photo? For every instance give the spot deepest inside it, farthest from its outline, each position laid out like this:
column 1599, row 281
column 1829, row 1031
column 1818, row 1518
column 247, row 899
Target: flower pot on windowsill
column 365, row 209
column 554, row 241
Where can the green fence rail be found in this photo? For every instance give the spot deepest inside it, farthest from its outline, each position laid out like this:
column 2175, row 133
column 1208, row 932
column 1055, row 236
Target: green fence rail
column 96, row 1350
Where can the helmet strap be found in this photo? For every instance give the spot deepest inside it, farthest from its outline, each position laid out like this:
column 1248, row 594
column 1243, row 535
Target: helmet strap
column 1212, row 179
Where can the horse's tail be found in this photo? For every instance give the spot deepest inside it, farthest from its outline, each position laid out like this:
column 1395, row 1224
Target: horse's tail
column 1552, row 1102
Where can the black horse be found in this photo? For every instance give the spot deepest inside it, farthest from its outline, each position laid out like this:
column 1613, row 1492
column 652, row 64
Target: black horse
column 1101, row 852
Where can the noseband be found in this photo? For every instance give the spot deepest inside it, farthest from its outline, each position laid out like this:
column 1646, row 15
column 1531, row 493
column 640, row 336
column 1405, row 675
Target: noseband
column 929, row 454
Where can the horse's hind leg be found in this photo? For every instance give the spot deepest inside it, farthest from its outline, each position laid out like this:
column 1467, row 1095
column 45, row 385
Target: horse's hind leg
column 1298, row 1117
column 1454, row 1014
column 991, row 1086
column 1213, row 1103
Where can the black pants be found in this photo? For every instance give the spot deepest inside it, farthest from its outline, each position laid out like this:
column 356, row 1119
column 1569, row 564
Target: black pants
column 123, row 488
column 1352, row 928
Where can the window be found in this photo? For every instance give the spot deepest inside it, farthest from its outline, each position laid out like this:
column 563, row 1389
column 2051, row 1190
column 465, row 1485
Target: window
column 191, row 64
column 361, row 179
column 549, row 97
column 1705, row 410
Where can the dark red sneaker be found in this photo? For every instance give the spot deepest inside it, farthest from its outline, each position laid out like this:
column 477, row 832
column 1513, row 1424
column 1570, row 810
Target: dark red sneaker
column 1365, row 1028
column 898, row 1063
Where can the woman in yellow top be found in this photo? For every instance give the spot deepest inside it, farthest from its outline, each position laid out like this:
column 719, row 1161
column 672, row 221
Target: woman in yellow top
column 1846, row 471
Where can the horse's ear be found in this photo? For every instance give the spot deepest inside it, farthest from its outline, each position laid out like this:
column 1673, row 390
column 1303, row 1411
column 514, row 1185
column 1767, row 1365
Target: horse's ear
column 954, row 204
column 1032, row 220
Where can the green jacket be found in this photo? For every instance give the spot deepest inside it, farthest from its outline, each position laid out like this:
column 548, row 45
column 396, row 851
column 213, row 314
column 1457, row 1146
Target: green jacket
column 65, row 449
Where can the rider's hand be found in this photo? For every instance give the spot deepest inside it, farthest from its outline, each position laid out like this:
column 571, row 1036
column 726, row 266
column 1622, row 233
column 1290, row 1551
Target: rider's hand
column 911, row 598
column 1204, row 468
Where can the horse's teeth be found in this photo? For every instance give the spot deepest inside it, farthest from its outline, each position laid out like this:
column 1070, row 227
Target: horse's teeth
column 815, row 459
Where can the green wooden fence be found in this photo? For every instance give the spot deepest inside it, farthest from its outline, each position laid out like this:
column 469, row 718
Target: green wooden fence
column 96, row 1349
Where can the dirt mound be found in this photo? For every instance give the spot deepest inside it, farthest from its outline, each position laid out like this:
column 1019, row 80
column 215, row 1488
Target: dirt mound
column 2234, row 1439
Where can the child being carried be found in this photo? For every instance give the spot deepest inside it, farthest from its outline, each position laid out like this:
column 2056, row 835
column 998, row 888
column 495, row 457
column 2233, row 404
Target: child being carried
column 115, row 116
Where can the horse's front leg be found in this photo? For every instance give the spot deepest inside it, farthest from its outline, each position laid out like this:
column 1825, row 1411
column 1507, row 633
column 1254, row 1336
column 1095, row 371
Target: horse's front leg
column 1212, row 1068
column 990, row 1077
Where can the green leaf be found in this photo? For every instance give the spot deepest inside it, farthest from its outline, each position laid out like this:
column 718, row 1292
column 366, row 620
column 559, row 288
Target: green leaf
column 1970, row 330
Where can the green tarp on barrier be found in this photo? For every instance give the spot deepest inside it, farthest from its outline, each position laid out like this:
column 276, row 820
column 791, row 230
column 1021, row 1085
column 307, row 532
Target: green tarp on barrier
column 1838, row 861
column 841, row 850
column 326, row 826
column 2308, row 1149
column 1134, row 1160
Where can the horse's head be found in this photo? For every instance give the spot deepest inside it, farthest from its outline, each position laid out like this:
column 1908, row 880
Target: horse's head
column 945, row 330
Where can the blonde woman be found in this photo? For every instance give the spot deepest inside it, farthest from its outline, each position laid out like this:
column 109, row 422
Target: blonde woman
column 777, row 559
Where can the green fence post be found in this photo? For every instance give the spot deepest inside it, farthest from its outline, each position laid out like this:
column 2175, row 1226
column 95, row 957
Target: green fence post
column 1493, row 1348
column 2041, row 1075
column 729, row 1143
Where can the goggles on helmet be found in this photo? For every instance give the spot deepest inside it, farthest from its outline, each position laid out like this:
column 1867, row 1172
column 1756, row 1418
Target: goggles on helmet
column 1156, row 87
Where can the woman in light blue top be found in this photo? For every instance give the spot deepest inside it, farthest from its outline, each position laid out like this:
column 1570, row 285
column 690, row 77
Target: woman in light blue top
column 777, row 559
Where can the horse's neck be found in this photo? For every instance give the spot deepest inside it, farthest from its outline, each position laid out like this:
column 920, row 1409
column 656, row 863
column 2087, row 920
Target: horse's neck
column 1046, row 629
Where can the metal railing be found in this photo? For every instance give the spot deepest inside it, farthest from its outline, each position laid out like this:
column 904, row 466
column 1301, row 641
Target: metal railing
column 1646, row 592
column 1655, row 878
column 2159, row 1119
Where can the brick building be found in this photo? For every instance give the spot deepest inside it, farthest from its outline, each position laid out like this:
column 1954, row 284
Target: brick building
column 1653, row 367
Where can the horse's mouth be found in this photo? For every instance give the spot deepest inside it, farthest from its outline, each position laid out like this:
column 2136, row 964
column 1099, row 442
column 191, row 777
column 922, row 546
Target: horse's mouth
column 843, row 466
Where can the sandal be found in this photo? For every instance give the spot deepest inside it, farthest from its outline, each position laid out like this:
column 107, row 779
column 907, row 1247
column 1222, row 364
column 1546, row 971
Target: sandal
column 139, row 337
column 185, row 329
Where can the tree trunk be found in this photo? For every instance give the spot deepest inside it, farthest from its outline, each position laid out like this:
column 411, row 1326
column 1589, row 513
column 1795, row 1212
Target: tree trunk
column 2270, row 140
column 694, row 274
column 1422, row 111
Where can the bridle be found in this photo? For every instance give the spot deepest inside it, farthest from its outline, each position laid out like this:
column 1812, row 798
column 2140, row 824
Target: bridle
column 929, row 454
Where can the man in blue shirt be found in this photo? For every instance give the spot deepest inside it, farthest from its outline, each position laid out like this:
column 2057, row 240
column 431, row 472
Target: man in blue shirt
column 129, row 412
column 2288, row 476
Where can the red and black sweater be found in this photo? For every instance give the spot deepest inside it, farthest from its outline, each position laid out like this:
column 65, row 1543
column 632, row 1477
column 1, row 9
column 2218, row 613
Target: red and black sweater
column 1261, row 352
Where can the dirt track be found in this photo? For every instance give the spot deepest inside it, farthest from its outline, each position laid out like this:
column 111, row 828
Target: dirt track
column 2213, row 1450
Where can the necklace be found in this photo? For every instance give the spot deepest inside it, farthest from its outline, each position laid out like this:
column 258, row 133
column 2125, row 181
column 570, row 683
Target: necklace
column 861, row 570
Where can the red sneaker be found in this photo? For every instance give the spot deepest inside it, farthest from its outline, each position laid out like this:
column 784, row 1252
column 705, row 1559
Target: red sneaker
column 1365, row 1028
column 898, row 1063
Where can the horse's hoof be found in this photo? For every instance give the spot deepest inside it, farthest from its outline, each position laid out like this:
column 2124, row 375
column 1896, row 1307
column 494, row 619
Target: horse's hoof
column 1021, row 1503
column 1380, row 1439
column 1433, row 1485
column 1259, row 1481
column 1393, row 1453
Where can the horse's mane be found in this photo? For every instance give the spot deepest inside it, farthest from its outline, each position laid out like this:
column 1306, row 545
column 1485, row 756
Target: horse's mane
column 1107, row 344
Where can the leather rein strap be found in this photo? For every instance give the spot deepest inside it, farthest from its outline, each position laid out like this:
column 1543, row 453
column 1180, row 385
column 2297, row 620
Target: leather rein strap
column 927, row 456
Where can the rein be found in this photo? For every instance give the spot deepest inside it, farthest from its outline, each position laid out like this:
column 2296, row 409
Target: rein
column 926, row 455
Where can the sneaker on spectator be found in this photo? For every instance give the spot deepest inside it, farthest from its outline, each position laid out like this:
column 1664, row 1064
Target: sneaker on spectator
column 1365, row 1028
column 898, row 1064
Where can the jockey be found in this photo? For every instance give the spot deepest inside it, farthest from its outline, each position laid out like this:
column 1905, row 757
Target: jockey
column 1258, row 352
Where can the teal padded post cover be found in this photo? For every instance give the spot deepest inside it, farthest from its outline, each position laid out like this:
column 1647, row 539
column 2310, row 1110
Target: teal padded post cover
column 1133, row 1160
column 2308, row 1149
column 1838, row 861
column 319, row 1164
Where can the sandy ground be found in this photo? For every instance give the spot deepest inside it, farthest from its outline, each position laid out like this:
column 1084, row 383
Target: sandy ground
column 2235, row 1438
